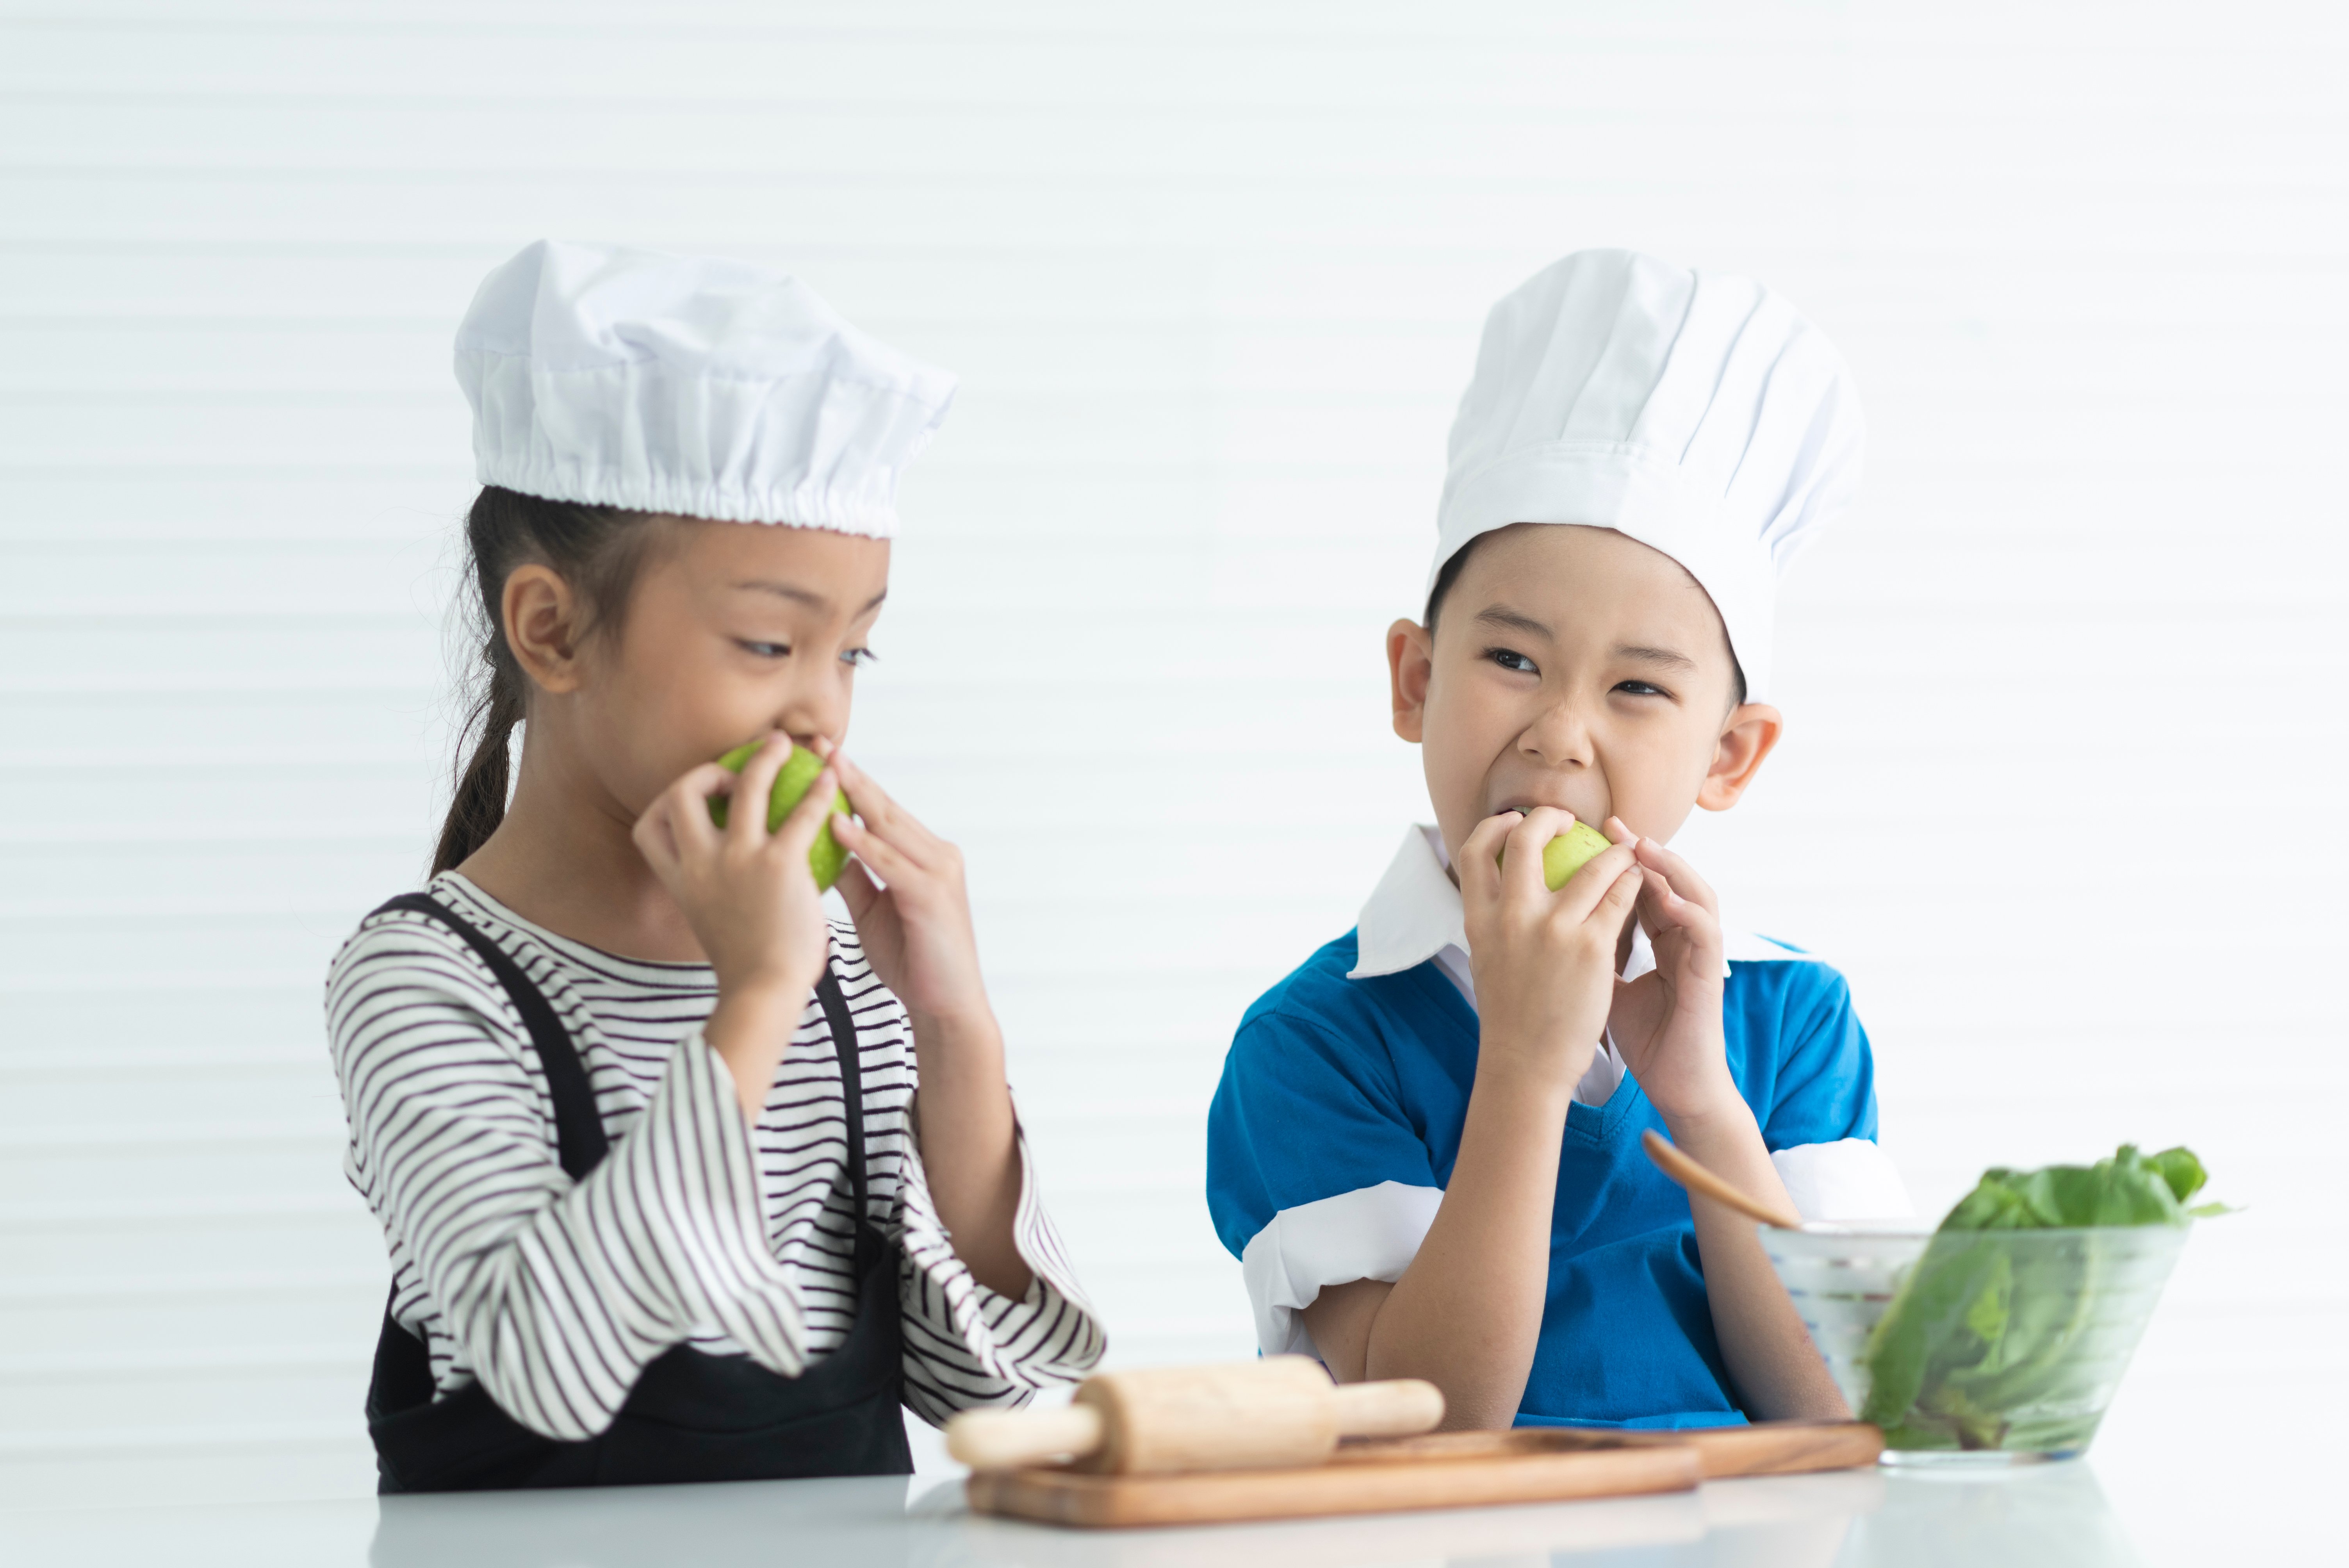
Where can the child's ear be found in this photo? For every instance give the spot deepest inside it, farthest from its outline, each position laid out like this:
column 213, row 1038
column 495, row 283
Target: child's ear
column 542, row 627
column 1410, row 659
column 1750, row 733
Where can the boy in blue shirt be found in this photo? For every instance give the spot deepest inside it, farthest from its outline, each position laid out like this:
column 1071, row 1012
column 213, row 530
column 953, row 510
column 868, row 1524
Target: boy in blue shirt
column 1425, row 1148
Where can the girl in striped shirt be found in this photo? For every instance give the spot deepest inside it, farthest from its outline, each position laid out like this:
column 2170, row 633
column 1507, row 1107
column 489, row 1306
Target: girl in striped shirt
column 641, row 1125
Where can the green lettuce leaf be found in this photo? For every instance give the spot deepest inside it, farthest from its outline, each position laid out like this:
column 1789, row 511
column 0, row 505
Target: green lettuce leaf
column 1981, row 1330
column 2180, row 1170
column 2129, row 1189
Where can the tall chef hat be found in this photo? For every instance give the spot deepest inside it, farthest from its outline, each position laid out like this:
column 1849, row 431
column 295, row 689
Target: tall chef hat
column 688, row 386
column 1693, row 412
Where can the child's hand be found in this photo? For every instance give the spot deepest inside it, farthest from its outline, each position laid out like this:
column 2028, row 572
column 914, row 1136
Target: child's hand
column 748, row 893
column 1544, row 962
column 1667, row 1023
column 916, row 929
column 916, row 932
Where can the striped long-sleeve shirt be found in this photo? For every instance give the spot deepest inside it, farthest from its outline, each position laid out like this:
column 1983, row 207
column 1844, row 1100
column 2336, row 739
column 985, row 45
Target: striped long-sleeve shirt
column 698, row 1228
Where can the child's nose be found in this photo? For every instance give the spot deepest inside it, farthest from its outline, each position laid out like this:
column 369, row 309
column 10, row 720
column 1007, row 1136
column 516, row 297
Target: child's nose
column 811, row 714
column 1560, row 736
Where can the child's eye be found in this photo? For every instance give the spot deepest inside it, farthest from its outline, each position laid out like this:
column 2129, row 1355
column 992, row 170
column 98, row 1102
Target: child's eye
column 764, row 650
column 857, row 658
column 1640, row 688
column 1510, row 659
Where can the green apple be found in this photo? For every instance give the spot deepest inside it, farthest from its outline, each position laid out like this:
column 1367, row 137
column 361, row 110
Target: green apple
column 825, row 858
column 1570, row 851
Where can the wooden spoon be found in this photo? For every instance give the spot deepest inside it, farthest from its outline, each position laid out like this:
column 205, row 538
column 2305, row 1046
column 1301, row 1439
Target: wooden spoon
column 1697, row 1179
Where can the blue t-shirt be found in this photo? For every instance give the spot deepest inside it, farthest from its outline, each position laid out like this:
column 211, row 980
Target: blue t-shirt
column 1335, row 1086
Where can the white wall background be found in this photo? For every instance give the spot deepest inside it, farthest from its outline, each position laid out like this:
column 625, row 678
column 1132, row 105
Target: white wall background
column 2058, row 794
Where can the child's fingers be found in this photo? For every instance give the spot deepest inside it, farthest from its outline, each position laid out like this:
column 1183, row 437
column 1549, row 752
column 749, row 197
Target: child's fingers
column 869, row 800
column 1478, row 862
column 796, row 836
column 857, row 889
column 1665, row 911
column 1615, row 905
column 1655, row 895
column 876, row 809
column 1667, row 906
column 684, row 808
column 1521, row 860
column 746, row 818
column 699, row 783
column 1590, row 886
column 656, row 839
column 1661, row 911
column 1675, row 872
column 892, row 864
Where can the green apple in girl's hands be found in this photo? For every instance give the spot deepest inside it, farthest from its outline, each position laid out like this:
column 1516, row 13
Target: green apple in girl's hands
column 1570, row 851
column 825, row 857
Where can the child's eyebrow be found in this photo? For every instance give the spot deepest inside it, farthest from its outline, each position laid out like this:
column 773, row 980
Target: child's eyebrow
column 1663, row 656
column 809, row 597
column 1509, row 620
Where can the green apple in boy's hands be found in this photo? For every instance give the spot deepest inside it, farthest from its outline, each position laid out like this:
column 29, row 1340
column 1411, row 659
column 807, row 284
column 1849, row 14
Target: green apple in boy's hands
column 1570, row 851
column 825, row 857
column 1543, row 960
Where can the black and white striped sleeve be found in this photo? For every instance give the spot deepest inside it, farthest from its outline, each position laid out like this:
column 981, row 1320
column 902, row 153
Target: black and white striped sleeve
column 557, row 1295
column 967, row 1346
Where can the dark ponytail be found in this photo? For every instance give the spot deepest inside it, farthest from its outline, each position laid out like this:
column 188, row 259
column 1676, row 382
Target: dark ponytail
column 598, row 549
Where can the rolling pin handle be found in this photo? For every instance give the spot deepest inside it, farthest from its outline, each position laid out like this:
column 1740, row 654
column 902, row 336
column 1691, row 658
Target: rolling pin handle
column 1008, row 1439
column 1400, row 1408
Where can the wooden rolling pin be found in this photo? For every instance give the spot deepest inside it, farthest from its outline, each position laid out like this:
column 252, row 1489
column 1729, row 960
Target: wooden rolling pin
column 1279, row 1412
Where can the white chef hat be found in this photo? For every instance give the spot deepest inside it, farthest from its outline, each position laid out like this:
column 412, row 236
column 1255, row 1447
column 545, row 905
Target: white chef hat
column 1692, row 411
column 689, row 385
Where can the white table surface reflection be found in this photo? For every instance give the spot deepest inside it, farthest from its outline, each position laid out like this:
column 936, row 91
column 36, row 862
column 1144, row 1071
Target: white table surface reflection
column 2049, row 1515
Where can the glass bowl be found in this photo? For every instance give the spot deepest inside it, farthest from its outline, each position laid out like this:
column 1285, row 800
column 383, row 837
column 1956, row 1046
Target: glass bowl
column 2011, row 1351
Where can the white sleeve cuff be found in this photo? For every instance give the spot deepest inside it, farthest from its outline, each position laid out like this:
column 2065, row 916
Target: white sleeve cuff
column 1371, row 1233
column 971, row 1334
column 1849, row 1179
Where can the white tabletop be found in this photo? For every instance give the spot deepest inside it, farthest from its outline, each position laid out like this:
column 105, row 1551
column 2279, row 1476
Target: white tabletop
column 2180, row 1502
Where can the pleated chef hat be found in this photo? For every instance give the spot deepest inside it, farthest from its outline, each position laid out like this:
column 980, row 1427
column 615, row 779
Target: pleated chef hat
column 688, row 386
column 1692, row 411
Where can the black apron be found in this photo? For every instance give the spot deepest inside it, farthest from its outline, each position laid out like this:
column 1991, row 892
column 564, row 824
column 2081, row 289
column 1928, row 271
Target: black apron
column 691, row 1417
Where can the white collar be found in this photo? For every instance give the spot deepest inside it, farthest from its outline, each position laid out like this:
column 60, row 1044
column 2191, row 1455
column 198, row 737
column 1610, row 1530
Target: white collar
column 1414, row 913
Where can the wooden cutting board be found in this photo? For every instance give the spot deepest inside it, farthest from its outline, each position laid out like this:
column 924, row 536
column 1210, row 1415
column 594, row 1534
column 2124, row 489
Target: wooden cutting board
column 1448, row 1469
column 1764, row 1447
